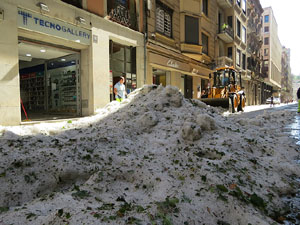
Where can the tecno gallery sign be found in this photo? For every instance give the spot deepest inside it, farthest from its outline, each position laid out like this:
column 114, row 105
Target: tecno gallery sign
column 43, row 24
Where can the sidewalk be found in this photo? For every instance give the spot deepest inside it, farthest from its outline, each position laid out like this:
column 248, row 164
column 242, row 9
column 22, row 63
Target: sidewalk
column 264, row 106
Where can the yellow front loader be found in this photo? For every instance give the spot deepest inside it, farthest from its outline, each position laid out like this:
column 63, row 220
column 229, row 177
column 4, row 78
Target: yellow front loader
column 226, row 90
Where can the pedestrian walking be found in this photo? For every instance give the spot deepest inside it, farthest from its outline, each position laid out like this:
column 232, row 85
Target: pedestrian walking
column 119, row 90
column 272, row 101
column 298, row 96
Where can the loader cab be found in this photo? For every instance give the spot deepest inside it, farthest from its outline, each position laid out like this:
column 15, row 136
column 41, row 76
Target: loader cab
column 225, row 77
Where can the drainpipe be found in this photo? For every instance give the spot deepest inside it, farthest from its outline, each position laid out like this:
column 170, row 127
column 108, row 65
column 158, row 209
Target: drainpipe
column 145, row 38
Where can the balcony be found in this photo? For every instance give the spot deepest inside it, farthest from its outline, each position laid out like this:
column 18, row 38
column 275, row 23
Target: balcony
column 191, row 48
column 192, row 51
column 246, row 74
column 225, row 4
column 123, row 16
column 224, row 61
column 226, row 34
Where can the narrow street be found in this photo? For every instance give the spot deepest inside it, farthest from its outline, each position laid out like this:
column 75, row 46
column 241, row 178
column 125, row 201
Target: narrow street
column 292, row 130
column 251, row 114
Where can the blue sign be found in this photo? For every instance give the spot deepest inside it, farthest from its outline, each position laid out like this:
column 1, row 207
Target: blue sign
column 43, row 24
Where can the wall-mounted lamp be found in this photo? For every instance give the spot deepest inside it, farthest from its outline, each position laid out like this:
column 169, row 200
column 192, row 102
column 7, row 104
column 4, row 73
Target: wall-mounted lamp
column 43, row 7
column 80, row 20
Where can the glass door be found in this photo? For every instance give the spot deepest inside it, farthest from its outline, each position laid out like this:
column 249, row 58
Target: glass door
column 63, row 85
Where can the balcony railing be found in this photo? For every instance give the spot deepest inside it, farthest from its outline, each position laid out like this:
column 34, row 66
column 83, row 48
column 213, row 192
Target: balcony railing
column 226, row 34
column 122, row 15
column 224, row 61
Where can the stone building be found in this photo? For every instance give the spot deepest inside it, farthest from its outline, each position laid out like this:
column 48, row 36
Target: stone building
column 180, row 44
column 286, row 76
column 254, row 57
column 271, row 51
column 232, row 38
column 61, row 58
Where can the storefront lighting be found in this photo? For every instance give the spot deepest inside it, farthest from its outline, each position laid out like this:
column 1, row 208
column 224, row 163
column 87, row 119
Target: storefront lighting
column 28, row 54
column 81, row 20
column 43, row 7
column 78, row 41
column 43, row 50
column 63, row 60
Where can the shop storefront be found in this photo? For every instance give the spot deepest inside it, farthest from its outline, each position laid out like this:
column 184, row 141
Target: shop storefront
column 50, row 79
column 167, row 71
column 62, row 62
column 190, row 78
column 200, row 80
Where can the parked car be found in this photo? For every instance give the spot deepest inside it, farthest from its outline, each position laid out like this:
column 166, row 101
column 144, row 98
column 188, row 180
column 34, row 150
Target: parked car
column 275, row 100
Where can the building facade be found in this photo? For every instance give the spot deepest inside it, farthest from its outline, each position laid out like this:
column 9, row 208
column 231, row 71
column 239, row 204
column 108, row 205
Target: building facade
column 254, row 57
column 286, row 76
column 271, row 51
column 232, row 38
column 61, row 58
column 180, row 44
column 295, row 85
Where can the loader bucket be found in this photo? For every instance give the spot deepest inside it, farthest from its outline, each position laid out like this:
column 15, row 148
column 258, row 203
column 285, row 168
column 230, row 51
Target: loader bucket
column 222, row 102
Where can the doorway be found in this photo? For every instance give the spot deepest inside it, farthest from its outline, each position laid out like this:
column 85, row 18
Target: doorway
column 188, row 86
column 49, row 82
column 122, row 63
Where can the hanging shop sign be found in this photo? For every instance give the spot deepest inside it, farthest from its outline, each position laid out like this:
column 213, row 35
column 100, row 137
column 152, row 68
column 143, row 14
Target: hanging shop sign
column 43, row 24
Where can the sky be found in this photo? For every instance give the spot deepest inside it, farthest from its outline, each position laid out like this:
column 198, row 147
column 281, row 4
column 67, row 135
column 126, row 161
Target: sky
column 288, row 27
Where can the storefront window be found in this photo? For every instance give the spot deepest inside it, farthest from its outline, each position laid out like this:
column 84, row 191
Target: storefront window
column 160, row 77
column 49, row 86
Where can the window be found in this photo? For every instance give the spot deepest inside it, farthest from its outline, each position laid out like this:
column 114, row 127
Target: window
column 266, row 63
column 244, row 6
column 229, row 54
column 163, row 19
column 266, row 29
column 238, row 28
column 204, row 44
column 238, row 2
column 191, row 30
column 77, row 3
column 205, row 7
column 266, row 18
column 238, row 57
column 266, row 52
column 229, row 20
column 244, row 34
column 266, row 41
column 244, row 62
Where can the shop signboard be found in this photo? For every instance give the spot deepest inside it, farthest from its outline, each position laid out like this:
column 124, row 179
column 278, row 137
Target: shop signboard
column 168, row 63
column 46, row 25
